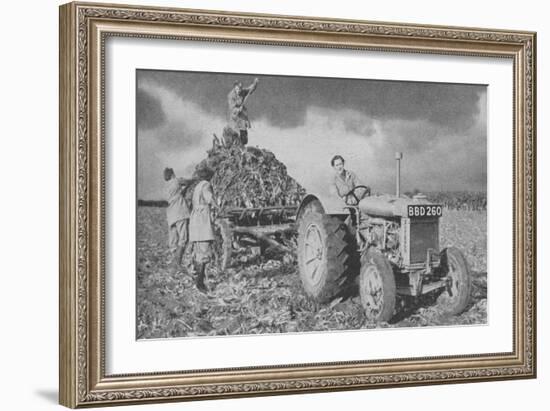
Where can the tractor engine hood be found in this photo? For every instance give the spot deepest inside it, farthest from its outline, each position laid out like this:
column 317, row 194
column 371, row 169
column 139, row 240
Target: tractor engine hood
column 388, row 205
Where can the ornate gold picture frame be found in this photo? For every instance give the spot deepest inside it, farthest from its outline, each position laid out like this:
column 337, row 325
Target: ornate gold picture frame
column 85, row 30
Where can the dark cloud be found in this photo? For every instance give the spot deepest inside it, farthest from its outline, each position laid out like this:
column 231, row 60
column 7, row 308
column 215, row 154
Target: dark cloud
column 442, row 163
column 359, row 125
column 284, row 100
column 176, row 135
column 440, row 128
column 413, row 136
column 149, row 113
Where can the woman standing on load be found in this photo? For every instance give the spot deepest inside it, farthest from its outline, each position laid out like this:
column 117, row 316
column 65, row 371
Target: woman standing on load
column 201, row 232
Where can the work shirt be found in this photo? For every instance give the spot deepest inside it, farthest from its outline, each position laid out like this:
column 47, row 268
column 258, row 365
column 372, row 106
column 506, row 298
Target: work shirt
column 177, row 207
column 344, row 184
column 200, row 223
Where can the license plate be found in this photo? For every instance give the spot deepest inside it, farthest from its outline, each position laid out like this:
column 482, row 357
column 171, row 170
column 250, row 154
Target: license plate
column 425, row 210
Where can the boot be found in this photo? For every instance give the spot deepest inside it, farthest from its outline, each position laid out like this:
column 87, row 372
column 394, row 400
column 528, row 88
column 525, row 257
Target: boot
column 201, row 286
column 176, row 262
column 179, row 255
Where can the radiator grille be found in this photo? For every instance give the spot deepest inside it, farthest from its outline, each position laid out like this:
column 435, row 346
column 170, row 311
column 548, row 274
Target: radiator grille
column 424, row 234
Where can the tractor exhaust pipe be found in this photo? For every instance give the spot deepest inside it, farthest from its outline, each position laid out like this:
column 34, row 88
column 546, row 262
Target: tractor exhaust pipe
column 398, row 157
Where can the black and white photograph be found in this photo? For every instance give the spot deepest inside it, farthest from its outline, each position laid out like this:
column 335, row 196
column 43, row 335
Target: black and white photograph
column 272, row 204
column 275, row 205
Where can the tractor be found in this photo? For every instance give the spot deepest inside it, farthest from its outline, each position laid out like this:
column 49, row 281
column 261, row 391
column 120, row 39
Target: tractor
column 386, row 245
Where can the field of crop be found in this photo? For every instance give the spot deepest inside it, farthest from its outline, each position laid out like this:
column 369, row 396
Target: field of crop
column 257, row 295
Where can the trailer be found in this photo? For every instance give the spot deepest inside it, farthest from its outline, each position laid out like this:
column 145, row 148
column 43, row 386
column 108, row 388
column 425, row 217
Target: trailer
column 269, row 228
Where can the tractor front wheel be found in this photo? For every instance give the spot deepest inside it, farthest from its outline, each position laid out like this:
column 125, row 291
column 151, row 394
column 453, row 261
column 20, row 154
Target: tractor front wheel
column 456, row 296
column 377, row 287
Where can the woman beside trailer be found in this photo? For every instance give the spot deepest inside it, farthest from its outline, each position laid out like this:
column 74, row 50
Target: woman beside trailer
column 201, row 231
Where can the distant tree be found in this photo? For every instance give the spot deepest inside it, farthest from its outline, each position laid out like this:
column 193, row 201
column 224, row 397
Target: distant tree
column 152, row 203
column 459, row 200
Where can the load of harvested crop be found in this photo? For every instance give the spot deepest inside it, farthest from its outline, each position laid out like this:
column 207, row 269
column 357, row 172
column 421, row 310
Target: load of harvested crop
column 249, row 177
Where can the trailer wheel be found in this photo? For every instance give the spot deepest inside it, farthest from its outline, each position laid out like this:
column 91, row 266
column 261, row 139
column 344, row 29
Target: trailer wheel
column 223, row 243
column 324, row 252
column 377, row 287
column 454, row 298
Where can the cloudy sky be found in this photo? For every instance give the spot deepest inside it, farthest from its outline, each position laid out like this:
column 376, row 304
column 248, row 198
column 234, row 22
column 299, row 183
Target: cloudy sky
column 440, row 128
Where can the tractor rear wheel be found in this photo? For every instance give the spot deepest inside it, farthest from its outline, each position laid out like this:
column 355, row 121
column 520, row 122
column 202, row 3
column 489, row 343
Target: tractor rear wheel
column 324, row 252
column 377, row 287
column 456, row 296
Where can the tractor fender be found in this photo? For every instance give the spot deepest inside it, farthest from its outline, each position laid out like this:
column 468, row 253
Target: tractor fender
column 332, row 205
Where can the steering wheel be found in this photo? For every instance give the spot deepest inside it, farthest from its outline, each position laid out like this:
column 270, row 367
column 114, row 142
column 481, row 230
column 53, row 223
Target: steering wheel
column 353, row 196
